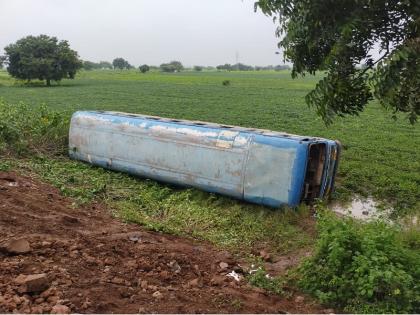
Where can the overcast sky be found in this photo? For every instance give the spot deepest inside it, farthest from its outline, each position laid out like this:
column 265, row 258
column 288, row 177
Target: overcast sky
column 196, row 32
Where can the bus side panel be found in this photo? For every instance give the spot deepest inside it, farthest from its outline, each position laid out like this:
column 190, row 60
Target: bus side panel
column 275, row 171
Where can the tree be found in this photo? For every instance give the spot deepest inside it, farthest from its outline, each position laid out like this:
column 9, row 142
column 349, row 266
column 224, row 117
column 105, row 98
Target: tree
column 242, row 67
column 2, row 59
column 105, row 65
column 227, row 67
column 121, row 63
column 173, row 66
column 42, row 57
column 198, row 68
column 144, row 68
column 89, row 65
column 338, row 37
column 281, row 67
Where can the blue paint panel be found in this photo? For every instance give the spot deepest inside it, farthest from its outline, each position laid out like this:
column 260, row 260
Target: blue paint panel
column 259, row 166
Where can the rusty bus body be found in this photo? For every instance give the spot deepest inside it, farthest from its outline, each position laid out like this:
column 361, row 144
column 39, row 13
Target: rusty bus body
column 255, row 165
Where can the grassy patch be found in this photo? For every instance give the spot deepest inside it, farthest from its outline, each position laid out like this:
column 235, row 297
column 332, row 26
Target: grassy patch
column 32, row 129
column 261, row 279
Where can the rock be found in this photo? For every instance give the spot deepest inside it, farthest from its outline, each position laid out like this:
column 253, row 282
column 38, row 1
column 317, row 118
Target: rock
column 47, row 293
column 109, row 261
column 53, row 299
column 37, row 309
column 134, row 238
column 157, row 295
column 74, row 254
column 195, row 283
column 117, row 280
column 39, row 300
column 144, row 284
column 60, row 309
column 223, row 265
column 299, row 299
column 328, row 311
column 217, row 280
column 33, row 283
column 86, row 304
column 165, row 275
column 124, row 293
column 20, row 279
column 175, row 267
column 265, row 256
column 19, row 246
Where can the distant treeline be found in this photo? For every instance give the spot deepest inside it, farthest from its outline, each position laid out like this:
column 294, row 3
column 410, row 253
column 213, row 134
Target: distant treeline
column 243, row 67
column 176, row 66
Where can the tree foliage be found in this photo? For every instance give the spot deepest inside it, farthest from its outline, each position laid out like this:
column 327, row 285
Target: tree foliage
column 144, row 68
column 121, row 63
column 90, row 65
column 105, row 65
column 43, row 58
column 198, row 68
column 339, row 37
column 173, row 66
column 2, row 59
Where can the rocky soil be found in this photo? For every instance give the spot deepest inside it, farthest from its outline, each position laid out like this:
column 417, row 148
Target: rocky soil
column 59, row 258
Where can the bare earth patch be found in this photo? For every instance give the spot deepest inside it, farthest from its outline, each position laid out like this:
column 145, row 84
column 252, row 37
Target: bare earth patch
column 58, row 258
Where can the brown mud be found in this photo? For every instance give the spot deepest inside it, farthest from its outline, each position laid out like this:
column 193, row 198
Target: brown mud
column 58, row 258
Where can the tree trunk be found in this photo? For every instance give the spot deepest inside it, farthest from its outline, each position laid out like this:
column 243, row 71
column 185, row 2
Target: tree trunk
column 48, row 82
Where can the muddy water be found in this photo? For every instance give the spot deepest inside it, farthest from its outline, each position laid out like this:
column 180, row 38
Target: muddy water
column 361, row 208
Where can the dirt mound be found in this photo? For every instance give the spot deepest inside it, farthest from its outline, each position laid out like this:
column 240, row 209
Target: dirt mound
column 58, row 258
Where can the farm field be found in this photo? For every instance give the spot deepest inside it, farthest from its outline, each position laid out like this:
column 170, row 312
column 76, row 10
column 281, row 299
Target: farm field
column 71, row 202
column 380, row 157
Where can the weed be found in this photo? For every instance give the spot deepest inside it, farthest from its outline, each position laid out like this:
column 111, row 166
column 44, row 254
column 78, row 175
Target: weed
column 261, row 279
column 362, row 267
column 28, row 129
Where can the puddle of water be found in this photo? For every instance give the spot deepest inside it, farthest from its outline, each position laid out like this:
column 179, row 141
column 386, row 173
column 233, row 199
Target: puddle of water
column 361, row 208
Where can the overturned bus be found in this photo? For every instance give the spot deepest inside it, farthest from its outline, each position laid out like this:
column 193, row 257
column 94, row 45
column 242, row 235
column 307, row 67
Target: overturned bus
column 260, row 166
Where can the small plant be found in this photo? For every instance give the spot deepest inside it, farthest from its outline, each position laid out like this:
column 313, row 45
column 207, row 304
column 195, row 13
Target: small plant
column 261, row 279
column 362, row 268
column 226, row 82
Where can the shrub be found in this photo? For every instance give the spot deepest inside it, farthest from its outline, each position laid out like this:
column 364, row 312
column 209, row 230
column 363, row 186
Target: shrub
column 28, row 129
column 226, row 82
column 362, row 267
column 144, row 68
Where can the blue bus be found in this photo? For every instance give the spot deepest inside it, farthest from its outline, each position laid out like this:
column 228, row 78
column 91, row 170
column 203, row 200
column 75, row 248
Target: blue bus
column 259, row 166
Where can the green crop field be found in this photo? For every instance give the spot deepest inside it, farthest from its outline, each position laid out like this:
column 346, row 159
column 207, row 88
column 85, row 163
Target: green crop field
column 380, row 158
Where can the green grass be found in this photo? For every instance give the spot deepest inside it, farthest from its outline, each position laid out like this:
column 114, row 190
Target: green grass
column 380, row 155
